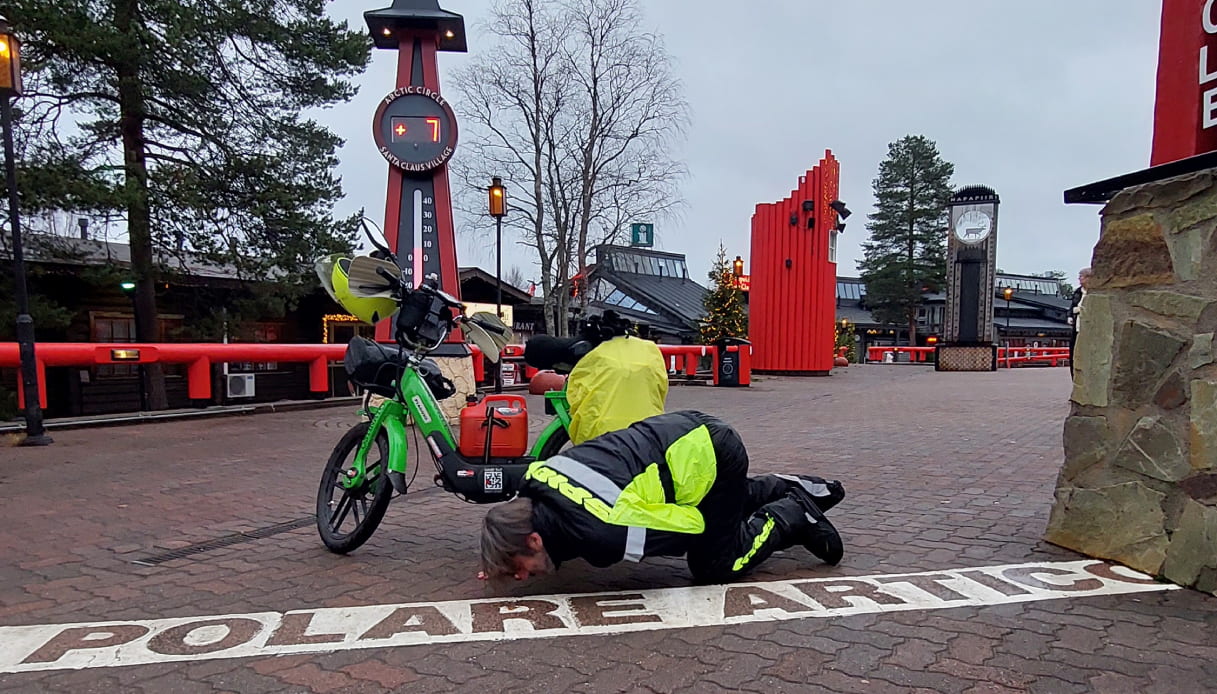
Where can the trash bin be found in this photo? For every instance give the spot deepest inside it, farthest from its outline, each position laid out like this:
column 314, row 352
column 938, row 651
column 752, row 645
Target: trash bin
column 734, row 363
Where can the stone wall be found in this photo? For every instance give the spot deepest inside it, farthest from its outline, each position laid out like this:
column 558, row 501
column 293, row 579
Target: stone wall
column 1139, row 484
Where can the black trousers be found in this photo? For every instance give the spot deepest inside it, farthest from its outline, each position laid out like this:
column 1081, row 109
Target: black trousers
column 1073, row 341
column 747, row 518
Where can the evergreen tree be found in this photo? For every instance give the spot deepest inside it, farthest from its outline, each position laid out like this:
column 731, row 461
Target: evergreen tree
column 725, row 314
column 185, row 118
column 906, row 253
column 1066, row 290
column 846, row 338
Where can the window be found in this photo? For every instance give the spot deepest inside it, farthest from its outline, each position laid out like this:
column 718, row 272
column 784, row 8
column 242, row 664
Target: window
column 114, row 328
column 260, row 333
column 120, row 328
column 832, row 247
column 622, row 300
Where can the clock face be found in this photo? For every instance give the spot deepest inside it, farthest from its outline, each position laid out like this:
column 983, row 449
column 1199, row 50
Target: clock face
column 973, row 226
column 415, row 130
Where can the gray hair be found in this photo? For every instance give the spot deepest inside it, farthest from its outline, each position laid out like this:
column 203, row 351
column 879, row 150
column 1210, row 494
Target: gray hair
column 505, row 531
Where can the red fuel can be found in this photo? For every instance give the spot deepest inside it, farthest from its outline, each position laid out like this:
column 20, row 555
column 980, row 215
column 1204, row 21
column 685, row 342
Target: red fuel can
column 500, row 421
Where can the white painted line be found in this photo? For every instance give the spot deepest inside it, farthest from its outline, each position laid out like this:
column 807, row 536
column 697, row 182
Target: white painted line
column 322, row 630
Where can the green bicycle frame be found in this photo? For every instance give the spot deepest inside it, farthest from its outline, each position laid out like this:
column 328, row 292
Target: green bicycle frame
column 416, row 401
column 556, row 400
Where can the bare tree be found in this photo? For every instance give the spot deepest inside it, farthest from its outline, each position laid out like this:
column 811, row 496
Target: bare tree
column 515, row 277
column 574, row 107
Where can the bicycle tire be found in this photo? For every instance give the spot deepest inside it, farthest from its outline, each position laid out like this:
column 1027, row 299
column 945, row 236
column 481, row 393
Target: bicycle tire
column 554, row 445
column 377, row 485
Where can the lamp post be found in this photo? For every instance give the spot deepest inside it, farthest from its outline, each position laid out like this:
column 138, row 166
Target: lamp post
column 128, row 288
column 1008, row 292
column 498, row 210
column 10, row 88
column 737, row 267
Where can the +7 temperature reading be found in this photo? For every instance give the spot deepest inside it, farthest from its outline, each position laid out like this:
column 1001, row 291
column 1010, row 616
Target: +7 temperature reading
column 414, row 129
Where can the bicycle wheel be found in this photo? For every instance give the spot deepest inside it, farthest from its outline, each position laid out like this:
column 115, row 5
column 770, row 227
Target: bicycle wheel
column 346, row 518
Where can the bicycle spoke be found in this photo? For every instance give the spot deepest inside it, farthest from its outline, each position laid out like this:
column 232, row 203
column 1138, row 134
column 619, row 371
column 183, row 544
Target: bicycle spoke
column 340, row 513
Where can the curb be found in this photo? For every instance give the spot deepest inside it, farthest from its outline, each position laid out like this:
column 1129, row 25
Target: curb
column 132, row 418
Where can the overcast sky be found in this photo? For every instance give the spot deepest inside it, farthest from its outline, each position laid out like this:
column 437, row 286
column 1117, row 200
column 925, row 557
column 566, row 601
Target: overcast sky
column 1029, row 97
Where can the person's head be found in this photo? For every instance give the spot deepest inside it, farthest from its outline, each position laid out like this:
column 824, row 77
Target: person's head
column 510, row 545
column 1084, row 277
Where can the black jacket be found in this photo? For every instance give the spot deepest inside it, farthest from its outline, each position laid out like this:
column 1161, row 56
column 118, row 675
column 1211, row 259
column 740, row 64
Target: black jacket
column 570, row 531
column 1073, row 317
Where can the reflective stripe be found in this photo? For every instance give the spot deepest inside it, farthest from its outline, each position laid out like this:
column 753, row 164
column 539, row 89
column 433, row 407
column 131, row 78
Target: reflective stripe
column 635, row 543
column 607, row 490
column 586, row 477
column 756, row 545
column 813, row 488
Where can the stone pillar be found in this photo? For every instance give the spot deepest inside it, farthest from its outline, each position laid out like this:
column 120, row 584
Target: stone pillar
column 1139, row 484
column 460, row 371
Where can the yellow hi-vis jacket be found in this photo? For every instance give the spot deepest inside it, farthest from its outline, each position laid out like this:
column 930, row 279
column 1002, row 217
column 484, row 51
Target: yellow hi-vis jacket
column 621, row 381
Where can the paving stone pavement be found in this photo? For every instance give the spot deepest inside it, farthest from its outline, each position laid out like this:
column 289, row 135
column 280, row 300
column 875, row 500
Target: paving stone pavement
column 942, row 471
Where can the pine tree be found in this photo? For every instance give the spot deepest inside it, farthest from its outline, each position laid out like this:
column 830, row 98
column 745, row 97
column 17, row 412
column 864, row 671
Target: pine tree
column 847, row 338
column 725, row 314
column 184, row 117
column 906, row 253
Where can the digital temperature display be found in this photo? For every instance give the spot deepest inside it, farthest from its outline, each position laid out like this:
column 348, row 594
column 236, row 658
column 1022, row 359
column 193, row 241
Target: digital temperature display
column 414, row 129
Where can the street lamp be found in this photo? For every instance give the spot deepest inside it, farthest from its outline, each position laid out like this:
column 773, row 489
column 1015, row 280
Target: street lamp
column 10, row 87
column 1008, row 292
column 498, row 210
column 737, row 267
column 128, row 288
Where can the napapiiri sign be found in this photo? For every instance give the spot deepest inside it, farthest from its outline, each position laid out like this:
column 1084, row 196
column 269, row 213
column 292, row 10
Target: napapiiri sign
column 1185, row 113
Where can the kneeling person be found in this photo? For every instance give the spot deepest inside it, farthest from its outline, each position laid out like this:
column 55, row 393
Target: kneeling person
column 673, row 484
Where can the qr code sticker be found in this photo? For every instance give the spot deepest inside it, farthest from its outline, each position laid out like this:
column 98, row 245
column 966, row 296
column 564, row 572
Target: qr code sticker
column 492, row 479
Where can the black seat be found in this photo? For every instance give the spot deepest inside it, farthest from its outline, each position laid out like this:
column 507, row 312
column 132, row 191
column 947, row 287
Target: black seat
column 559, row 354
column 372, row 366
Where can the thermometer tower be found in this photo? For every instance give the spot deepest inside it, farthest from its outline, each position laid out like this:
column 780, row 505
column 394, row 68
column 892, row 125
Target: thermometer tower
column 415, row 130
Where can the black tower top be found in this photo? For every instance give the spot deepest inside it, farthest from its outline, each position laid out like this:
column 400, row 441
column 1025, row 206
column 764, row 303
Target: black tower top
column 416, row 15
column 975, row 194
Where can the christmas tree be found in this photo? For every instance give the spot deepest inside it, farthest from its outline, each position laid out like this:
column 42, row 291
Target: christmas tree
column 725, row 314
column 846, row 338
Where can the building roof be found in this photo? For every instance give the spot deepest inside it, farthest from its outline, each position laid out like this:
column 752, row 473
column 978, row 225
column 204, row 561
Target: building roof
column 511, row 293
column 680, row 296
column 68, row 250
column 1032, row 324
column 1040, row 300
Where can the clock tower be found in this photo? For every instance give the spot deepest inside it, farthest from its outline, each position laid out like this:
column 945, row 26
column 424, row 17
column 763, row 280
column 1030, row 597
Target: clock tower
column 970, row 337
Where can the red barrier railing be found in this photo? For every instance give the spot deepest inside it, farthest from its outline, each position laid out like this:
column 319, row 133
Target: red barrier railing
column 199, row 357
column 688, row 356
column 1007, row 357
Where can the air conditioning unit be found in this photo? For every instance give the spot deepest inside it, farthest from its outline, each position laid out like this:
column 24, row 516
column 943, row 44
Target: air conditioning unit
column 240, row 385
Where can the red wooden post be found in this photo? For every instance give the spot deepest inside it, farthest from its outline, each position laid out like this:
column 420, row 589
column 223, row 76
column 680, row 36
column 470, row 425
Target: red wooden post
column 198, row 379
column 319, row 375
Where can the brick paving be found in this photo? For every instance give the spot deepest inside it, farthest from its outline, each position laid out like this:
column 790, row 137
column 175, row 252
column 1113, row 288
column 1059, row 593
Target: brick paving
column 942, row 471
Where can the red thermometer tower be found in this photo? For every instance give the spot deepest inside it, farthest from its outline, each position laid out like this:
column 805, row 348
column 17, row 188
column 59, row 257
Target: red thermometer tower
column 415, row 130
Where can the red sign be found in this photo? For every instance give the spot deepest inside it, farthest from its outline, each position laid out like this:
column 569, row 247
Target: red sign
column 743, row 282
column 1185, row 114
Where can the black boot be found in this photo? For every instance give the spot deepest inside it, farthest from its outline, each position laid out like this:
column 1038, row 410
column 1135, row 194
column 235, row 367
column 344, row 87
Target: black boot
column 825, row 494
column 817, row 533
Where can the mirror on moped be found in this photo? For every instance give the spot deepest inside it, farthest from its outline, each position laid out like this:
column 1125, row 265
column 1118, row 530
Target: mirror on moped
column 476, row 335
column 499, row 331
column 377, row 239
column 366, row 277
